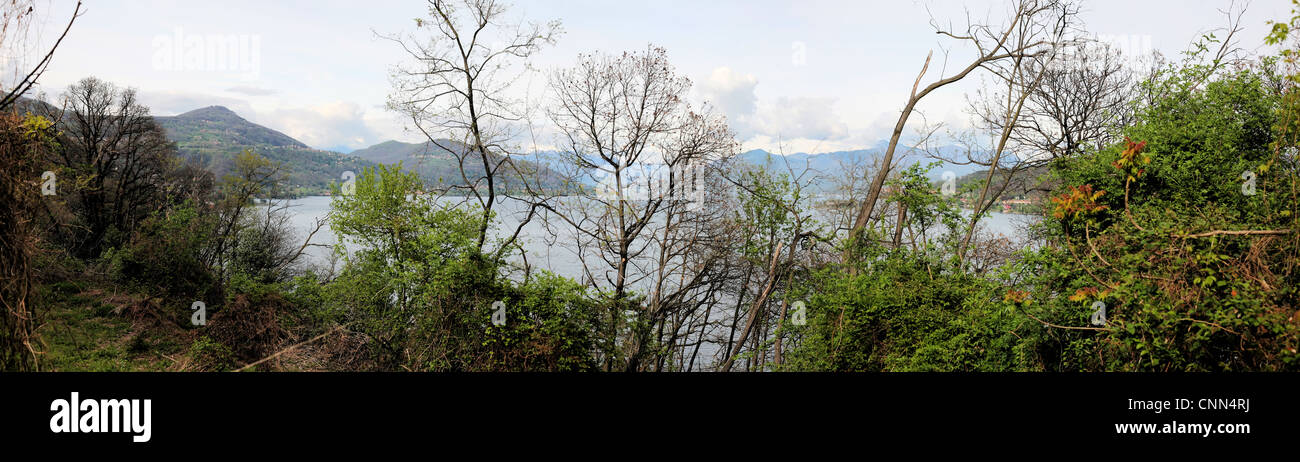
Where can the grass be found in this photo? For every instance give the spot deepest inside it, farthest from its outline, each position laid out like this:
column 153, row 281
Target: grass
column 82, row 330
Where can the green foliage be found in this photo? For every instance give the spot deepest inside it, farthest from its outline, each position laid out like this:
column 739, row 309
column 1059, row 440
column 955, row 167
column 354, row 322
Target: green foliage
column 1184, row 238
column 165, row 255
column 766, row 212
column 927, row 208
column 548, row 327
column 1279, row 33
column 420, row 288
column 907, row 309
column 905, row 313
column 209, row 355
column 1179, row 294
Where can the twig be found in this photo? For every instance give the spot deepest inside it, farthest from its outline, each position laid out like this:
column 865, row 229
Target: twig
column 1086, row 268
column 1211, row 324
column 1266, row 232
column 1088, row 237
column 278, row 353
column 1048, row 324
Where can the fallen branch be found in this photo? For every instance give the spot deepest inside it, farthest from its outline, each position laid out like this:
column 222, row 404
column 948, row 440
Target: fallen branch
column 1210, row 324
column 1257, row 232
column 1089, row 270
column 278, row 353
column 1048, row 324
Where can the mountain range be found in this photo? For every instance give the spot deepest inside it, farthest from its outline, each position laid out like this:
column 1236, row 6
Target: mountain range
column 214, row 135
column 832, row 163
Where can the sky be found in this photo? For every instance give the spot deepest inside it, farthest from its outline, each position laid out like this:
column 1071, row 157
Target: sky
column 791, row 76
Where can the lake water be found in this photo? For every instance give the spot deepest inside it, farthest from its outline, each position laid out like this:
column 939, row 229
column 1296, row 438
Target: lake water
column 544, row 252
column 558, row 255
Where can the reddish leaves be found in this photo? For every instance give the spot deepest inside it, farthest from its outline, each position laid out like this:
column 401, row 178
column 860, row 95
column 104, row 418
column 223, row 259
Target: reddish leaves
column 1078, row 202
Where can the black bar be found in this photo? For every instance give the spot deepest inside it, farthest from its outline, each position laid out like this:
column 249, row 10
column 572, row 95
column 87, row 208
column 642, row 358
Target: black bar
column 226, row 412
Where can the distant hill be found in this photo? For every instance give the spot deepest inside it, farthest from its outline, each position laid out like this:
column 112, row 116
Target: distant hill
column 831, row 164
column 434, row 164
column 214, row 135
column 216, row 125
column 1032, row 183
column 391, row 152
column 440, row 165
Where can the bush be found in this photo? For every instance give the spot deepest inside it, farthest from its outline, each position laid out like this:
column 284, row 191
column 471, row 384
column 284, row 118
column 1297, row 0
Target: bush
column 423, row 293
column 165, row 256
column 250, row 326
column 904, row 313
column 1193, row 266
column 209, row 355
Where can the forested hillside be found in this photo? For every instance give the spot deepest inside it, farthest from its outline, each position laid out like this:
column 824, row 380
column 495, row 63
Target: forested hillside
column 212, row 137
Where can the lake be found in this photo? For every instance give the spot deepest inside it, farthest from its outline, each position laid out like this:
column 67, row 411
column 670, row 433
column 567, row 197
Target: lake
column 558, row 255
column 543, row 251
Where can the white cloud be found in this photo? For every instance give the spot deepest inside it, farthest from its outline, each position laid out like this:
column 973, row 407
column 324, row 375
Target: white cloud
column 804, row 121
column 731, row 93
column 167, row 103
column 334, row 125
column 802, row 117
column 251, row 90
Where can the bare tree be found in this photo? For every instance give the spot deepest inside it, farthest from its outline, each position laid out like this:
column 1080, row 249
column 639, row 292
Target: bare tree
column 117, row 157
column 15, row 21
column 1081, row 101
column 457, row 93
column 626, row 127
column 1000, row 110
column 992, row 44
column 257, row 240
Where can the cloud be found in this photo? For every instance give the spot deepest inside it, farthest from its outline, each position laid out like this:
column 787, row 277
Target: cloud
column 166, row 103
column 334, row 125
column 251, row 91
column 802, row 117
column 732, row 93
column 803, row 121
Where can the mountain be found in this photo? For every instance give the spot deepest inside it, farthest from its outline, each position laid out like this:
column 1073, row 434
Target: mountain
column 392, row 152
column 216, row 125
column 434, row 164
column 438, row 163
column 214, row 135
column 828, row 165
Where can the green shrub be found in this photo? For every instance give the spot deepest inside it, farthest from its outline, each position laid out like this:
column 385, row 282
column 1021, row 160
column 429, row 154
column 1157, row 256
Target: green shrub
column 209, row 355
